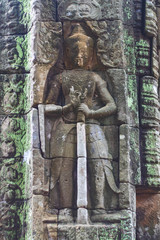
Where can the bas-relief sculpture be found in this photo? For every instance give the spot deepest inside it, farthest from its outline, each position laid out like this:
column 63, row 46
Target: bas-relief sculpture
column 70, row 104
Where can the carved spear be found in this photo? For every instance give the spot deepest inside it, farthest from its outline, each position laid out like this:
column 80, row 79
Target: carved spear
column 82, row 201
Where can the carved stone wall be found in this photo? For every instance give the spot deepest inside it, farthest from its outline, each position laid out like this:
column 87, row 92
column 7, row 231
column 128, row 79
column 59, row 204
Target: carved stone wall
column 39, row 148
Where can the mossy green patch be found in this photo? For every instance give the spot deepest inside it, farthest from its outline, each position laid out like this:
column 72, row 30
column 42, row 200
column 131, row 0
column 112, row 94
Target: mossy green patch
column 15, row 97
column 21, row 56
column 25, row 9
column 130, row 52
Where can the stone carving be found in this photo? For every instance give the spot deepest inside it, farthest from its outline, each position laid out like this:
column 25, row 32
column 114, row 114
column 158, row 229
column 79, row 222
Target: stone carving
column 12, row 15
column 109, row 50
column 150, row 118
column 79, row 9
column 70, row 99
column 112, row 9
column 14, row 93
column 47, row 51
column 150, row 18
column 43, row 10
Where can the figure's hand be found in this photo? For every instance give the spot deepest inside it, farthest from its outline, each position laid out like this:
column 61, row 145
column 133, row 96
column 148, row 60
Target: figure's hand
column 74, row 97
column 84, row 108
column 75, row 102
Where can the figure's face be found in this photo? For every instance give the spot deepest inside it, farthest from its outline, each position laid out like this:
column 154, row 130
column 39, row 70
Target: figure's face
column 80, row 54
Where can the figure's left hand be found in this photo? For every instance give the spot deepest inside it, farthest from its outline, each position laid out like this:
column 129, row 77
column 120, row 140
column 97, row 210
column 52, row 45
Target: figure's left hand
column 84, row 108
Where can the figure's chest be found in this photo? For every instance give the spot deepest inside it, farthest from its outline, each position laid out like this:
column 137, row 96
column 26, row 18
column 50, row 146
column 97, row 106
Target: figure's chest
column 79, row 81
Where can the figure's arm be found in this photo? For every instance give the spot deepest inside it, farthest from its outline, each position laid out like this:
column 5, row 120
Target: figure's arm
column 104, row 95
column 51, row 107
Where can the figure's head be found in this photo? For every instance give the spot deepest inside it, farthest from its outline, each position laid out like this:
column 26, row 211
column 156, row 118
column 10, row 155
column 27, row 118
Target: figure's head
column 78, row 49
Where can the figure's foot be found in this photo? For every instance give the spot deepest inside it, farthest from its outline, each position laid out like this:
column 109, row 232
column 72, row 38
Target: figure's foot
column 98, row 215
column 65, row 216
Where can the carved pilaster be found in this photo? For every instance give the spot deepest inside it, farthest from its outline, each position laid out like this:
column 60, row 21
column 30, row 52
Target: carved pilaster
column 150, row 118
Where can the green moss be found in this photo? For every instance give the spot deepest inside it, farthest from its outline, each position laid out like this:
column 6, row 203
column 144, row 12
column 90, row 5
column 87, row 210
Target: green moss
column 130, row 52
column 109, row 234
column 25, row 9
column 126, row 229
column 16, row 94
column 21, row 57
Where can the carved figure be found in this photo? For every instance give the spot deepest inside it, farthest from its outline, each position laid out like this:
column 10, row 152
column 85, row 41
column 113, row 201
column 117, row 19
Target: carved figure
column 72, row 92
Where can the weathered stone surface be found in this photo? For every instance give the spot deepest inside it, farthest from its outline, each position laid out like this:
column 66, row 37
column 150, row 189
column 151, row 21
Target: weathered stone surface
column 41, row 173
column 91, row 10
column 38, row 76
column 14, row 95
column 135, row 156
column 112, row 10
column 132, row 12
column 13, row 137
column 130, row 172
column 13, row 215
column 148, row 215
column 14, row 17
column 46, row 42
column 143, row 51
column 118, row 79
column 44, row 223
column 155, row 59
column 43, row 10
column 127, row 197
column 80, row 232
column 14, row 55
column 150, row 18
column 37, row 220
column 77, row 10
column 150, row 115
column 35, row 129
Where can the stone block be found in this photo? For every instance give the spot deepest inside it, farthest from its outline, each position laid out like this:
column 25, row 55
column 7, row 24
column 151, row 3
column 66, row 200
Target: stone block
column 35, row 129
column 38, row 77
column 43, row 10
column 118, row 79
column 150, row 18
column 124, row 154
column 37, row 220
column 14, row 95
column 132, row 100
column 13, row 214
column 148, row 215
column 13, row 17
column 41, row 173
column 129, row 165
column 14, row 53
column 13, row 174
column 132, row 12
column 127, row 197
column 14, row 136
column 135, row 156
column 46, row 42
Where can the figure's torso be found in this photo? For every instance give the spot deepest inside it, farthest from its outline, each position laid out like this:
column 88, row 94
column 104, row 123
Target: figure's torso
column 80, row 80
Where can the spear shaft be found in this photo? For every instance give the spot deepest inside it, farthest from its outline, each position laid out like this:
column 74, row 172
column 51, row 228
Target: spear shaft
column 82, row 202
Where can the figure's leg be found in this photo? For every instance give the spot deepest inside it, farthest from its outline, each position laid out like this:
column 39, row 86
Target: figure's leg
column 62, row 183
column 67, row 183
column 96, row 183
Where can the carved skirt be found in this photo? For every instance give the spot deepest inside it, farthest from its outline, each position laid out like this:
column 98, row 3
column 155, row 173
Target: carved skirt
column 63, row 147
